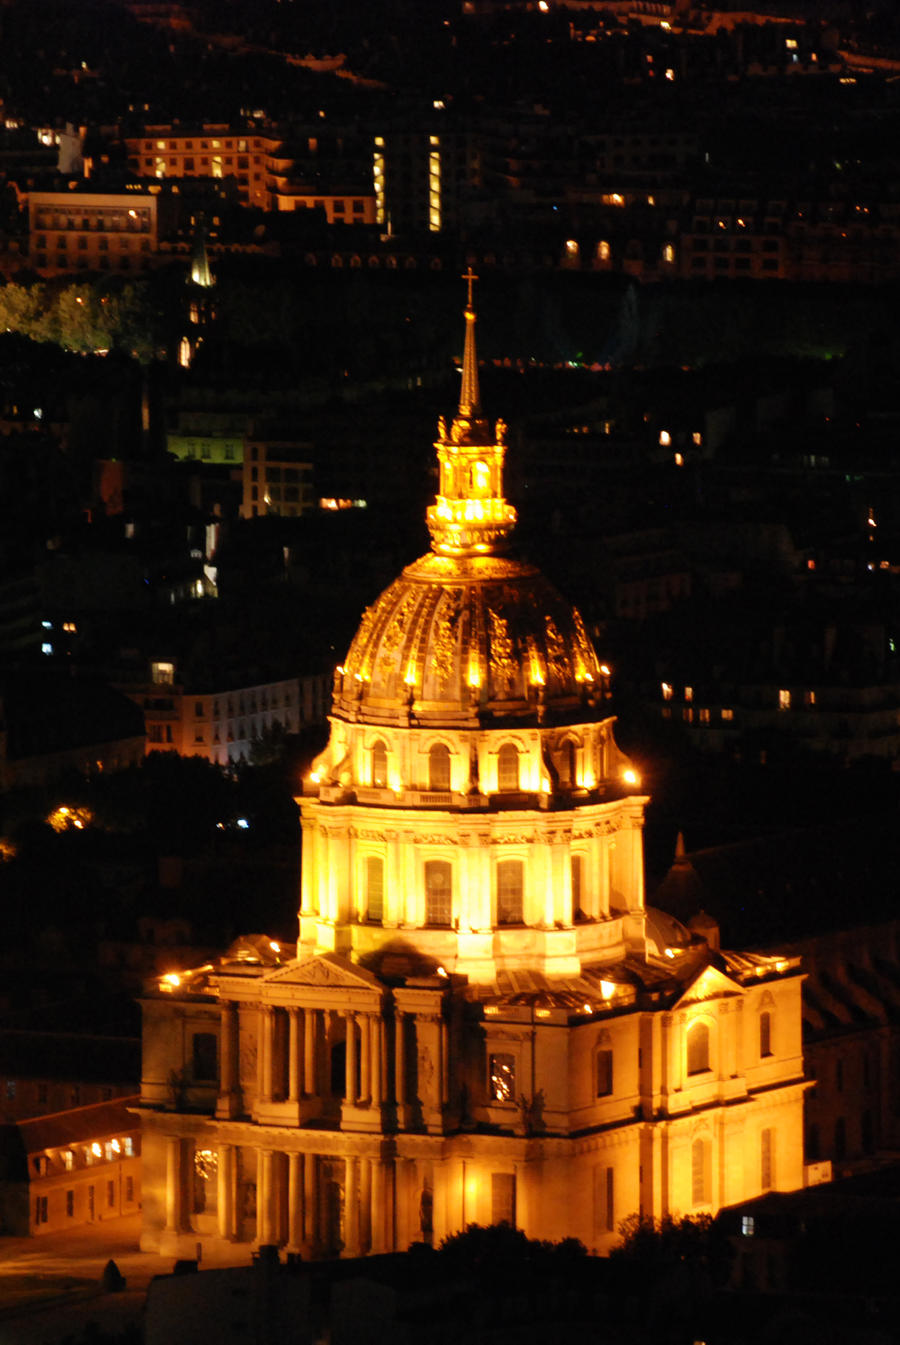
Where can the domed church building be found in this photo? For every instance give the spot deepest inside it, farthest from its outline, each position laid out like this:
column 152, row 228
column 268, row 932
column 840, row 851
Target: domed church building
column 481, row 1020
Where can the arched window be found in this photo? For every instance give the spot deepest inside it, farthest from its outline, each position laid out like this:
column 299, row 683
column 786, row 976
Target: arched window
column 701, row 1173
column 379, row 765
column 374, row 888
column 438, row 892
column 568, row 764
column 765, row 1033
column 439, row 768
column 508, row 768
column 698, row 1049
column 510, row 883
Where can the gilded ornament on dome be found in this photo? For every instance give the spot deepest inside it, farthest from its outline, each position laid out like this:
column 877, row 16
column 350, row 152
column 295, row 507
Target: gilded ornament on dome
column 587, row 649
column 503, row 663
column 443, row 644
column 359, row 642
column 556, row 648
column 394, row 634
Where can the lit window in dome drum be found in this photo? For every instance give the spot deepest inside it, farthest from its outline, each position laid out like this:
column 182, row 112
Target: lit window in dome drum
column 439, row 768
column 379, row 766
column 509, row 892
column 438, row 892
column 508, row 768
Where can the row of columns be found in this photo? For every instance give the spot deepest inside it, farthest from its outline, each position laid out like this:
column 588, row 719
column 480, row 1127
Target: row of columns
column 292, row 1063
column 313, row 1203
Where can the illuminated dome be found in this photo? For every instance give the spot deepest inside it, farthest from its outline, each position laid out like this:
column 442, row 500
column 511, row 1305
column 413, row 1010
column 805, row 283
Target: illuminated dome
column 466, row 633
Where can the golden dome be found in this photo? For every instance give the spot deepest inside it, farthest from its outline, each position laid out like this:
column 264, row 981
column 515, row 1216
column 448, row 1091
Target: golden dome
column 466, row 633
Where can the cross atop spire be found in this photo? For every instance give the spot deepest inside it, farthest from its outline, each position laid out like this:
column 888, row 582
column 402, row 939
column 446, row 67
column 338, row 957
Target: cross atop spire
column 469, row 396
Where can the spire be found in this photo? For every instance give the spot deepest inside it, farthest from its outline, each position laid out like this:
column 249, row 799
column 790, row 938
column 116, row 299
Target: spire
column 470, row 516
column 469, row 397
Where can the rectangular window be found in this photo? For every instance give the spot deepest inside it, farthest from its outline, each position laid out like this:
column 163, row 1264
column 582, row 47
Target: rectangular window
column 502, row 1078
column 205, row 1057
column 40, row 1211
column 70, row 1204
column 110, row 1195
column 129, row 1190
column 604, row 1073
column 503, row 1198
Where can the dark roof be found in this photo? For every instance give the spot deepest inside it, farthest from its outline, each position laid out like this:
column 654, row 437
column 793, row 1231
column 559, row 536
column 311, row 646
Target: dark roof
column 47, row 711
column 79, row 1124
column 68, row 1057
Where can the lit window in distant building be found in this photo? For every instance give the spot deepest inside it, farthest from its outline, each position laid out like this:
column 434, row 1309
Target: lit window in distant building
column 669, row 253
column 810, row 698
column 679, row 459
column 784, row 700
column 728, row 715
column 603, row 251
column 46, row 647
column 665, row 438
column 688, row 694
column 667, row 691
column 163, row 674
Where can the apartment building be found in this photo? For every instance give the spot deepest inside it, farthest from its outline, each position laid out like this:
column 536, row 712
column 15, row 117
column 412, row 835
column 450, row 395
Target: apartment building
column 79, row 227
column 211, row 150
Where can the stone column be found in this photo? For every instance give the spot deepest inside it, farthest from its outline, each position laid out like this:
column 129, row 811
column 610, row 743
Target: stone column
column 365, row 1205
column 351, row 1210
column 445, row 1063
column 310, row 1202
column 263, row 1050
column 225, row 1184
column 229, row 1073
column 296, row 1204
column 350, row 1070
column 294, row 1061
column 399, row 1060
column 265, row 1198
column 174, row 1200
column 377, row 1059
column 378, row 1208
column 364, row 1022
column 309, row 1052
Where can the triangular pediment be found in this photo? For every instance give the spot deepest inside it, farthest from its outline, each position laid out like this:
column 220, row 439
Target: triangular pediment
column 325, row 970
column 710, row 983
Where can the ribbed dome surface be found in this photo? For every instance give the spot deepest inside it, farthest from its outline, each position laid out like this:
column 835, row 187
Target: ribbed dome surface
column 458, row 638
